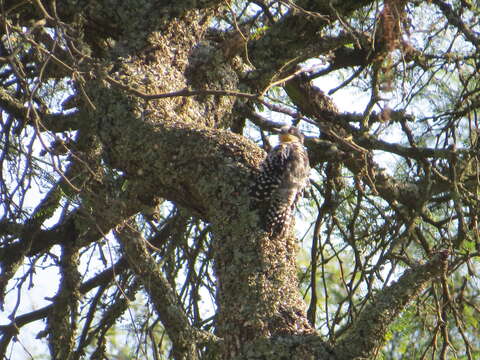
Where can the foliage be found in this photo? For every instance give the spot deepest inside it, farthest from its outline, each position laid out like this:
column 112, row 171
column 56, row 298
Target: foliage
column 128, row 143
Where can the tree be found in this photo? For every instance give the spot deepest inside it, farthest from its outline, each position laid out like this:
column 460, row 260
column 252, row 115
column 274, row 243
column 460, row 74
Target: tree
column 126, row 169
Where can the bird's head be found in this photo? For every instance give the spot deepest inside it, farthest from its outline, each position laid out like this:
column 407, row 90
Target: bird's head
column 290, row 134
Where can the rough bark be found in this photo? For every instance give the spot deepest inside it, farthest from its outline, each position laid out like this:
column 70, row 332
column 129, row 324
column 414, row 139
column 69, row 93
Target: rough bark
column 178, row 148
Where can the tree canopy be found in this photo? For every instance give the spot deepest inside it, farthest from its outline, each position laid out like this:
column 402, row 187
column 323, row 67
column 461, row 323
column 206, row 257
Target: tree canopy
column 131, row 133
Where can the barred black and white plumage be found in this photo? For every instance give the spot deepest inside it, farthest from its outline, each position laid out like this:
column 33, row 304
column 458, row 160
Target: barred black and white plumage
column 282, row 179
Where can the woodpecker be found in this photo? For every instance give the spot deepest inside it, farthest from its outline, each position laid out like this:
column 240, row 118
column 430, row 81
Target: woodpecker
column 282, row 178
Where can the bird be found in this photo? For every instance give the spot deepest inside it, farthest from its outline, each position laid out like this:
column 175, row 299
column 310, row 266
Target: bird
column 283, row 176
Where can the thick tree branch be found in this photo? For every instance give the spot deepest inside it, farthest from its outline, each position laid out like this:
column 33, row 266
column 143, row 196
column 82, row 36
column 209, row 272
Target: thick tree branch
column 456, row 21
column 62, row 319
column 33, row 240
column 103, row 279
column 100, row 20
column 357, row 146
column 12, row 105
column 184, row 337
column 369, row 329
column 60, row 122
column 283, row 45
column 209, row 172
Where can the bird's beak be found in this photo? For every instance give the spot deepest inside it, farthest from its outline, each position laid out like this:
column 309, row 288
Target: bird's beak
column 284, row 138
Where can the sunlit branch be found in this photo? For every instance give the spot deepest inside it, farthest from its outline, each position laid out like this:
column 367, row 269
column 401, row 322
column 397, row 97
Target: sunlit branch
column 367, row 334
